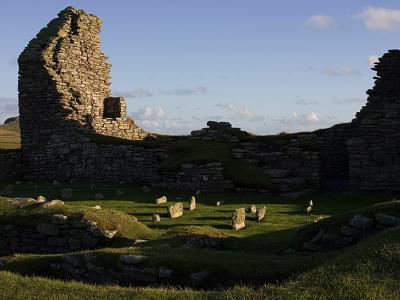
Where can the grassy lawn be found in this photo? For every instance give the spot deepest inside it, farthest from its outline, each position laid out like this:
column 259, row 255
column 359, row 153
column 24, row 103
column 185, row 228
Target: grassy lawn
column 9, row 136
column 273, row 234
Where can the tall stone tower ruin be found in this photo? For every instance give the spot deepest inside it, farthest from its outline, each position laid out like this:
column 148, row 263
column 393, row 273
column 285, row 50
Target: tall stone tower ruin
column 65, row 96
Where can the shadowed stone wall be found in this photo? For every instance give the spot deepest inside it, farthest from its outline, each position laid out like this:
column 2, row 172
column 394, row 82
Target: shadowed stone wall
column 374, row 149
column 64, row 94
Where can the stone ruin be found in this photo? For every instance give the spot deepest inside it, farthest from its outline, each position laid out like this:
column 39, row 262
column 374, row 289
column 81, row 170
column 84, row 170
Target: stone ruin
column 64, row 92
column 65, row 101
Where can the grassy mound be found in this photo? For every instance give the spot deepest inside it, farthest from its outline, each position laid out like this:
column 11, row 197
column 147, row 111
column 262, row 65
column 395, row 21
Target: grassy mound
column 368, row 270
column 29, row 217
column 202, row 152
column 333, row 224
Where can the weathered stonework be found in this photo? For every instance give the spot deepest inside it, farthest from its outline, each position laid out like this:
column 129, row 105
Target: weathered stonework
column 65, row 101
column 64, row 94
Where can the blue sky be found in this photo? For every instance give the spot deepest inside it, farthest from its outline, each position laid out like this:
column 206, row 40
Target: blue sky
column 265, row 66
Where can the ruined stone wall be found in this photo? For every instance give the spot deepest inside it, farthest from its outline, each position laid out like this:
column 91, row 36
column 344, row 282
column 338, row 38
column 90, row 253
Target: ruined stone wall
column 63, row 92
column 10, row 166
column 374, row 149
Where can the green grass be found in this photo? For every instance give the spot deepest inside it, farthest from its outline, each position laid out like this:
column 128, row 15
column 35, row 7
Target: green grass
column 368, row 270
column 252, row 256
column 9, row 137
column 242, row 174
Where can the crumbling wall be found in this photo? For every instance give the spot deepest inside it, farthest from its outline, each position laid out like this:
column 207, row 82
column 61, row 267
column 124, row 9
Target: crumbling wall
column 374, row 149
column 63, row 90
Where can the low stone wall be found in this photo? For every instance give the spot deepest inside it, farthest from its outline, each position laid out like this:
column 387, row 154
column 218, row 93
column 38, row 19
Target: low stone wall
column 289, row 166
column 63, row 234
column 10, row 165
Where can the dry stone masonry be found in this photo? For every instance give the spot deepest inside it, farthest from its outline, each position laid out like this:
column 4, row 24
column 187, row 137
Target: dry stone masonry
column 66, row 111
column 64, row 93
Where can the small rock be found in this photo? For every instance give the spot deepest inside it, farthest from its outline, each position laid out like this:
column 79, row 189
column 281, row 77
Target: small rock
column 161, row 200
column 219, row 203
column 99, row 196
column 22, row 202
column 59, row 219
column 131, row 259
column 66, row 193
column 175, row 211
column 40, row 199
column 309, row 209
column 198, row 279
column 192, row 204
column 140, row 241
column 97, row 207
column 156, row 218
column 260, row 213
column 386, row 220
column 52, row 203
column 109, row 233
column 361, row 222
column 252, row 209
column 238, row 218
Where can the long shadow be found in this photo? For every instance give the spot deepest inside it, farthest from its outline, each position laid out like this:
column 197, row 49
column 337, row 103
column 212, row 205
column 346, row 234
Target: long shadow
column 211, row 218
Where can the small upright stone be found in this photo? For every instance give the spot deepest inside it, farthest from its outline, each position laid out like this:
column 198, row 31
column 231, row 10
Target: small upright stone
column 309, row 210
column 175, row 211
column 161, row 200
column 41, row 199
column 192, row 204
column 252, row 209
column 156, row 218
column 260, row 213
column 219, row 203
column 238, row 218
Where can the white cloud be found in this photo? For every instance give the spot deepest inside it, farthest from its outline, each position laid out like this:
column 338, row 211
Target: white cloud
column 321, row 22
column 136, row 93
column 340, row 71
column 372, row 59
column 150, row 113
column 380, row 18
column 240, row 112
column 199, row 90
column 8, row 107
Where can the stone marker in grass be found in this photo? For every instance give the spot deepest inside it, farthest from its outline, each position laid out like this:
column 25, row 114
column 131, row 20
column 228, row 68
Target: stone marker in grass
column 260, row 213
column 161, row 200
column 252, row 209
column 192, row 204
column 175, row 211
column 156, row 218
column 238, row 218
column 219, row 203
